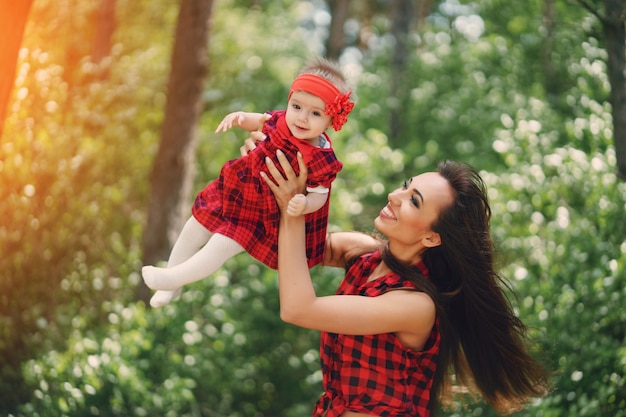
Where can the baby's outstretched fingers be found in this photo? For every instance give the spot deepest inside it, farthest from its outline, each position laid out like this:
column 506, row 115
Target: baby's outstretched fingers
column 231, row 119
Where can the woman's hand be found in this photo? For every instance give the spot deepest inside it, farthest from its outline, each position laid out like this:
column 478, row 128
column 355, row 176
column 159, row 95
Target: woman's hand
column 250, row 143
column 284, row 188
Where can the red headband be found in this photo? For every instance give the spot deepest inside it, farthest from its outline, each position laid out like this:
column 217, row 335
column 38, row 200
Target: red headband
column 338, row 105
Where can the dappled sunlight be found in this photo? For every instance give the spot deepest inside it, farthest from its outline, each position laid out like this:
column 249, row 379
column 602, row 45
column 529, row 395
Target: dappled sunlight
column 80, row 138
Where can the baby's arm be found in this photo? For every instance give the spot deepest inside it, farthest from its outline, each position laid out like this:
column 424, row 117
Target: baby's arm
column 304, row 204
column 245, row 120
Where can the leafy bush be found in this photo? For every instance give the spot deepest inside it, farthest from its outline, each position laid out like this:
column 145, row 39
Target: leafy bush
column 558, row 214
column 71, row 211
column 220, row 350
column 75, row 159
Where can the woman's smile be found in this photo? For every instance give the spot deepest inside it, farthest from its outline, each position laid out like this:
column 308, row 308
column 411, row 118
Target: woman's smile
column 387, row 213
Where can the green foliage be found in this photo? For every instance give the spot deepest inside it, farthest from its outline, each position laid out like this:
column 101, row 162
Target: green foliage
column 220, row 350
column 561, row 227
column 78, row 148
column 71, row 215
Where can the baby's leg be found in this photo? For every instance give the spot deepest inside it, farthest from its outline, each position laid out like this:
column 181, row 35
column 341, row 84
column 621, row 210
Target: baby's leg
column 202, row 264
column 193, row 236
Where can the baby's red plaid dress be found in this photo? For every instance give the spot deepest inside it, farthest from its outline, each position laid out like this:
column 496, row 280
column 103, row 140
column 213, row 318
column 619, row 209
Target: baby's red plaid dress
column 375, row 374
column 241, row 206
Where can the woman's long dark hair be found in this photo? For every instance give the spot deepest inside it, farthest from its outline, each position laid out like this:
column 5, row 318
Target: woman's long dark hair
column 483, row 343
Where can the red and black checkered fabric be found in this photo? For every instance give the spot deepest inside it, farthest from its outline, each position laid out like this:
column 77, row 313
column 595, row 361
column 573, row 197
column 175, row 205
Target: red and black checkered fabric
column 241, row 206
column 376, row 374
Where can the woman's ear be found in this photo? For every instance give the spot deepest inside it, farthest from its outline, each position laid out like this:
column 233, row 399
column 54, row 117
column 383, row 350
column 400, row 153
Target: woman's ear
column 432, row 240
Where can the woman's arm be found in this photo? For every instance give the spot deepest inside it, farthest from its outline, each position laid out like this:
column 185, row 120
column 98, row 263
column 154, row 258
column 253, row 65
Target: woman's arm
column 341, row 247
column 403, row 311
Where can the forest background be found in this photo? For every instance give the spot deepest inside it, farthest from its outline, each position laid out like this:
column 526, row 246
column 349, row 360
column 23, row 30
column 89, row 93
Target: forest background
column 99, row 160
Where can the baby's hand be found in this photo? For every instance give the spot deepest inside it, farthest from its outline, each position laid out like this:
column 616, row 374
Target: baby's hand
column 297, row 205
column 232, row 119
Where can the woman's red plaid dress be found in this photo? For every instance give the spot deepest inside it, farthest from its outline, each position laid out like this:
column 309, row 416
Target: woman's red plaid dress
column 241, row 206
column 375, row 374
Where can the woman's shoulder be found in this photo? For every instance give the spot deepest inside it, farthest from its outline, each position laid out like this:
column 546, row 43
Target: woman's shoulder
column 345, row 247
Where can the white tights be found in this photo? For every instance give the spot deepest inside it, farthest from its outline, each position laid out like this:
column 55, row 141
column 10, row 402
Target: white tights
column 196, row 254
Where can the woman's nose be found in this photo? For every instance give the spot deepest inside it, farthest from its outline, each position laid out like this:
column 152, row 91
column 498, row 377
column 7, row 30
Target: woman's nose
column 393, row 197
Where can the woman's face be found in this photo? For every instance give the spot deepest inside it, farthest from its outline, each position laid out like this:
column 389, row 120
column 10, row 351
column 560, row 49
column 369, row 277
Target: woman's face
column 407, row 219
column 306, row 117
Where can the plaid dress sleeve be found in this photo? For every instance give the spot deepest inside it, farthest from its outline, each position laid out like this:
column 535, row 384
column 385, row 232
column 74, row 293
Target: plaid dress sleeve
column 241, row 206
column 375, row 374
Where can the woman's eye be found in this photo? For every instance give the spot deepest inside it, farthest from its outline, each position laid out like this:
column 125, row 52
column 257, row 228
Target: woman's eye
column 414, row 200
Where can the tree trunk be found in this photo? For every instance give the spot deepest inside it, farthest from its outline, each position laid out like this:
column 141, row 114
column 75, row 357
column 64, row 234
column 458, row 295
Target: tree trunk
column 13, row 17
column 402, row 18
column 336, row 38
column 615, row 38
column 173, row 171
column 104, row 31
column 551, row 79
column 423, row 11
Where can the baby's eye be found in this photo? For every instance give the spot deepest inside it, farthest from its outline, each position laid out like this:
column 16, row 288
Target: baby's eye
column 296, row 106
column 317, row 114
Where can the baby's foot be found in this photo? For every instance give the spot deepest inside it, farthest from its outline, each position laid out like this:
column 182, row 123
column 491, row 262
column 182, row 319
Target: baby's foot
column 158, row 279
column 163, row 298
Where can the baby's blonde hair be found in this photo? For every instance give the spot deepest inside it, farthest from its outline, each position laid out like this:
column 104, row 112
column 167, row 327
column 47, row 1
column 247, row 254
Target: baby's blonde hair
column 330, row 71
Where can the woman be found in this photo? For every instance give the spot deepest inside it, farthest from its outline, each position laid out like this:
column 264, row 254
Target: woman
column 415, row 311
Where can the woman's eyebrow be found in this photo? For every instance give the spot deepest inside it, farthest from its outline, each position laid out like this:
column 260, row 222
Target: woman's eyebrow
column 416, row 191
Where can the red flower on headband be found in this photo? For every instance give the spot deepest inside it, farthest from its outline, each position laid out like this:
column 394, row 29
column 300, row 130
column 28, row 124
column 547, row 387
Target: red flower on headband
column 339, row 110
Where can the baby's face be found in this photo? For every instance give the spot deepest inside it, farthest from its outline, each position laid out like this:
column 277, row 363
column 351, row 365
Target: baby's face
column 306, row 117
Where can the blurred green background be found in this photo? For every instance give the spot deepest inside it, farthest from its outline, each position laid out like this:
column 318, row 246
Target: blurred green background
column 520, row 90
